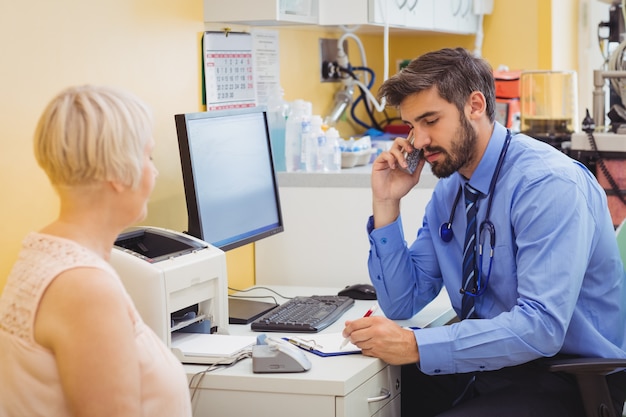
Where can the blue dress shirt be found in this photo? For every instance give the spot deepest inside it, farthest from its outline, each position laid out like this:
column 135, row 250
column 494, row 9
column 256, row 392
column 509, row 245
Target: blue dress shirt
column 557, row 283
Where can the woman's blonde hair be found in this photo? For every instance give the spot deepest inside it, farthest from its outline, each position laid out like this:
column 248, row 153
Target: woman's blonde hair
column 89, row 134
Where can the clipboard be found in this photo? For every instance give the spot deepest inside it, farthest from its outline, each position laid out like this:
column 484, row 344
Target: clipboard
column 324, row 344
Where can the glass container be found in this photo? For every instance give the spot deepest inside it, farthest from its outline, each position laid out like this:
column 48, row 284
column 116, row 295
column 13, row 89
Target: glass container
column 549, row 103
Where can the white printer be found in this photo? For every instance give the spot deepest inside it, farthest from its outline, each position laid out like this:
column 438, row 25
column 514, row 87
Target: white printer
column 176, row 281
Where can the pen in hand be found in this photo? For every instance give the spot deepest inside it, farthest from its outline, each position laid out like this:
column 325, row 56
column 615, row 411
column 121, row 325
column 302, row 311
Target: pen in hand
column 367, row 314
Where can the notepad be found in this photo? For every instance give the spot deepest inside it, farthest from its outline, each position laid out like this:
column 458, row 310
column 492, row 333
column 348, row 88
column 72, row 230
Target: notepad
column 324, row 344
column 209, row 348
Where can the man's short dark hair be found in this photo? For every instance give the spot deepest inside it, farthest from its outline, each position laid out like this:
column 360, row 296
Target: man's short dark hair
column 456, row 73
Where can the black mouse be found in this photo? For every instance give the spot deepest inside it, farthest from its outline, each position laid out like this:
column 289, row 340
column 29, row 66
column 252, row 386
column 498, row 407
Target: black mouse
column 359, row 292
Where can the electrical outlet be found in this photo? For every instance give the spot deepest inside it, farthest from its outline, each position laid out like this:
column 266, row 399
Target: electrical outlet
column 328, row 60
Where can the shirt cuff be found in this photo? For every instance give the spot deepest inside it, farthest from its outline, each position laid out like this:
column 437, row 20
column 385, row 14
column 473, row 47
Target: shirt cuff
column 434, row 349
column 386, row 239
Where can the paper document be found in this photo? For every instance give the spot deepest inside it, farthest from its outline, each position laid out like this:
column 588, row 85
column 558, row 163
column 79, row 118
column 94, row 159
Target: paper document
column 209, row 348
column 324, row 344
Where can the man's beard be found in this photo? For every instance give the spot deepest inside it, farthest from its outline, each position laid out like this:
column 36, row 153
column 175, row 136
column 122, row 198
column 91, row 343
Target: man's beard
column 461, row 151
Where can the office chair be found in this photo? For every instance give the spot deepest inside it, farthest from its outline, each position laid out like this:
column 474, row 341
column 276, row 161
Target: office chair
column 591, row 373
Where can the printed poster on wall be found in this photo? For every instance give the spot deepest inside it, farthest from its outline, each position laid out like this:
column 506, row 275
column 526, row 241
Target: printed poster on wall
column 266, row 64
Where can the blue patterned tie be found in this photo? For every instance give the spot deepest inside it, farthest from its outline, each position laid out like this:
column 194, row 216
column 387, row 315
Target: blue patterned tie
column 469, row 251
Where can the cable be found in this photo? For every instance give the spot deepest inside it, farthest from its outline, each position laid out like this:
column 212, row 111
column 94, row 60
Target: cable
column 362, row 96
column 343, row 62
column 342, row 58
column 478, row 41
column 258, row 296
column 193, row 387
column 588, row 127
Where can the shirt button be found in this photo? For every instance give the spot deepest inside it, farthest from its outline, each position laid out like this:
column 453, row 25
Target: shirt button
column 437, row 371
column 383, row 240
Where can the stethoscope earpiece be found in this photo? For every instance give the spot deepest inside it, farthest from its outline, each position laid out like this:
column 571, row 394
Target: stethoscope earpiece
column 446, row 232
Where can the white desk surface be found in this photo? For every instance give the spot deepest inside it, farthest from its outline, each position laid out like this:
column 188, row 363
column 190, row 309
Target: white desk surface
column 328, row 375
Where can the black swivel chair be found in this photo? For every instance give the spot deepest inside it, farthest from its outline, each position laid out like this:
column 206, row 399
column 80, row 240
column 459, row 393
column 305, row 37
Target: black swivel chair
column 591, row 376
column 591, row 372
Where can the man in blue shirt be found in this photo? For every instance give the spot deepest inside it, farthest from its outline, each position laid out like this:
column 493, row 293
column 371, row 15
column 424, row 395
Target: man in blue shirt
column 554, row 284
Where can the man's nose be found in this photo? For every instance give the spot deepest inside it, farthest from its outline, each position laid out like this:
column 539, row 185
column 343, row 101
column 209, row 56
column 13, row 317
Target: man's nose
column 421, row 138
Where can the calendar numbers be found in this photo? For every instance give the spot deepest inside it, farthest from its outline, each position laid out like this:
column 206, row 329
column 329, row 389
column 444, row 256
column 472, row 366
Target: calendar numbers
column 233, row 74
column 229, row 75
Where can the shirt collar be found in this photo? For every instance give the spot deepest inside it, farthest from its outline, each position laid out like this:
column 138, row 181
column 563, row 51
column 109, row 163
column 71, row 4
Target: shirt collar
column 481, row 178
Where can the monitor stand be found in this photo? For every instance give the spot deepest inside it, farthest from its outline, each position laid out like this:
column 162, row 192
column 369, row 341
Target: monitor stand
column 243, row 311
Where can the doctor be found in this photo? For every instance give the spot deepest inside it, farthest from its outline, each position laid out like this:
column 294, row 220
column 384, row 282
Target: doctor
column 537, row 272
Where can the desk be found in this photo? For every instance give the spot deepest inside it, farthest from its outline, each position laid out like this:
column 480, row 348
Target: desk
column 341, row 386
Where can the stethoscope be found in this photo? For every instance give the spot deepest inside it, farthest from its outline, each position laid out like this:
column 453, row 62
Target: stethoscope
column 486, row 227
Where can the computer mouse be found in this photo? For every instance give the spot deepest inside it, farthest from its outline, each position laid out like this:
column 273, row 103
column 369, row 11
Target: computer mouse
column 359, row 292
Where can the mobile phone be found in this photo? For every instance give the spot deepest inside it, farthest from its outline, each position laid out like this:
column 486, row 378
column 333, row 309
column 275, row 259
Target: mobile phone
column 413, row 157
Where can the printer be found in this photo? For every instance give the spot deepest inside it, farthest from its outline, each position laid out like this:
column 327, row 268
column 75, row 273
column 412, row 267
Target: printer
column 178, row 283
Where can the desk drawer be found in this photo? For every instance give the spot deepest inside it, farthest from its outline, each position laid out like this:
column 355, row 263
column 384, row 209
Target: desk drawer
column 372, row 395
column 391, row 409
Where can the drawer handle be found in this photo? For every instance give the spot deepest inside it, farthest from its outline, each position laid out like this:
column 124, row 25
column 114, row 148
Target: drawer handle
column 384, row 394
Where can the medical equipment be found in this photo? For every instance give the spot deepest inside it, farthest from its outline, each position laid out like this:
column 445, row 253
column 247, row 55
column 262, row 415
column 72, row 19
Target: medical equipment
column 486, row 227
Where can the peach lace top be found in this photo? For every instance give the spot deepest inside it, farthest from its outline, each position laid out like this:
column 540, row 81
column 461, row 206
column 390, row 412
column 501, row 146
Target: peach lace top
column 28, row 375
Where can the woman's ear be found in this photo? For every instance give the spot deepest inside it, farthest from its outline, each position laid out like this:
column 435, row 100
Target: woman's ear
column 117, row 186
column 477, row 104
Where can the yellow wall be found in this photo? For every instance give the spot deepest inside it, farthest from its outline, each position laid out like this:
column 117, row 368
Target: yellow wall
column 151, row 47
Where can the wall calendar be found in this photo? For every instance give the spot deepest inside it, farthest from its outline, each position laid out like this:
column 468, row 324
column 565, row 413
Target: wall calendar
column 228, row 70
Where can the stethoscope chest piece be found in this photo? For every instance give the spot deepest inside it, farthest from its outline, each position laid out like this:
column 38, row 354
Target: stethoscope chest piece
column 446, row 232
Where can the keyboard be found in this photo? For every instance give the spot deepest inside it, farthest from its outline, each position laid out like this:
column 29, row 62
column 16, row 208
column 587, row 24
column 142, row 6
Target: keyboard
column 304, row 314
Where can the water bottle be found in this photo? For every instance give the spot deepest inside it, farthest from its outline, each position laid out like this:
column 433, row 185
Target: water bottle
column 298, row 124
column 316, row 140
column 331, row 153
column 277, row 113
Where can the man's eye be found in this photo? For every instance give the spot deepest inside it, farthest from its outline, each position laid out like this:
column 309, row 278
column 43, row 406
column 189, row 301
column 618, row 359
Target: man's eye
column 431, row 122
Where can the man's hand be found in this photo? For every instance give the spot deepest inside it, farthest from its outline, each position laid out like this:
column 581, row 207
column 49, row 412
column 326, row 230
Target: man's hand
column 391, row 181
column 382, row 338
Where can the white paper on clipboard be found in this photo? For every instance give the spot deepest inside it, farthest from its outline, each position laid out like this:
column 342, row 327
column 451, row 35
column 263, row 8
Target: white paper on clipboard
column 228, row 70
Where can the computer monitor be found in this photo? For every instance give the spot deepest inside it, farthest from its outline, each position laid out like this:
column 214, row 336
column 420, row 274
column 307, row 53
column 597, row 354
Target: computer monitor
column 228, row 174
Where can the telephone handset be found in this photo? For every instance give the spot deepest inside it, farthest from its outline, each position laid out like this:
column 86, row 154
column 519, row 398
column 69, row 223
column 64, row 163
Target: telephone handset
column 272, row 355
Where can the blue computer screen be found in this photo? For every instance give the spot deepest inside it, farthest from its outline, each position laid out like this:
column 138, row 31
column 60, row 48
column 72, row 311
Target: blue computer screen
column 230, row 184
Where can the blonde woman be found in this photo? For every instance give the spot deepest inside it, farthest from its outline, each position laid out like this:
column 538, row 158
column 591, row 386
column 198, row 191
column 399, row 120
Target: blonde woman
column 71, row 341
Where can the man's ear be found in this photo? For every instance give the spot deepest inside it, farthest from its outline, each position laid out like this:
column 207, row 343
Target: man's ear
column 477, row 105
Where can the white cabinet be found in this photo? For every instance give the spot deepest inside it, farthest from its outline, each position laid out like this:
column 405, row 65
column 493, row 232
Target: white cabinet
column 420, row 14
column 455, row 16
column 373, row 396
column 219, row 394
column 410, row 14
column 405, row 14
column 262, row 12
column 446, row 16
column 311, row 227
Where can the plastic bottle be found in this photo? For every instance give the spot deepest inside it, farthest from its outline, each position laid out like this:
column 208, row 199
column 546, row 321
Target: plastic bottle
column 315, row 142
column 298, row 126
column 331, row 153
column 277, row 113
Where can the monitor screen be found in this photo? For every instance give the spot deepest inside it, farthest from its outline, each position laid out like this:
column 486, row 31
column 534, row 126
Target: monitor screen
column 228, row 172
